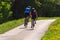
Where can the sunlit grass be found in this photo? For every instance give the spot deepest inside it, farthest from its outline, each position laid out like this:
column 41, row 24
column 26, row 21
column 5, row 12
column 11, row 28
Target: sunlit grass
column 10, row 25
column 54, row 31
column 14, row 23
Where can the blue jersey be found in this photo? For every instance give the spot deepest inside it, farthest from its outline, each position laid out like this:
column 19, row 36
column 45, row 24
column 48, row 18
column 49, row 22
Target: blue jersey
column 27, row 10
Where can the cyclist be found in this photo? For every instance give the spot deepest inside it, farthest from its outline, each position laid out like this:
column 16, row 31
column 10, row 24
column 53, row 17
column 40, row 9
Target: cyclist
column 27, row 14
column 33, row 15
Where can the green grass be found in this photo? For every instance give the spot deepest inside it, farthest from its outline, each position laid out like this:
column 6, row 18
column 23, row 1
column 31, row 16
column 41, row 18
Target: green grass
column 54, row 31
column 10, row 25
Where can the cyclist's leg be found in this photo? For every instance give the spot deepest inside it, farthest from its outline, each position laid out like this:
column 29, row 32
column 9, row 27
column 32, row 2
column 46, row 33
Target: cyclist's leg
column 25, row 23
column 27, row 20
column 35, row 20
column 32, row 23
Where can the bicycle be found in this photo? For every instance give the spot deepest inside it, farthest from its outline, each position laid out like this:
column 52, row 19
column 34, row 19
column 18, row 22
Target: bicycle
column 26, row 22
column 33, row 23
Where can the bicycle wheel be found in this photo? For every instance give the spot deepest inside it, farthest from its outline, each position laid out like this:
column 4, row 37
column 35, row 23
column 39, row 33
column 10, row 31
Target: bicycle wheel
column 26, row 22
column 32, row 23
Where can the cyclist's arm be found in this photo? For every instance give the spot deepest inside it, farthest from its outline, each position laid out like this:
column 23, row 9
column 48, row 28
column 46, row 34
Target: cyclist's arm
column 36, row 14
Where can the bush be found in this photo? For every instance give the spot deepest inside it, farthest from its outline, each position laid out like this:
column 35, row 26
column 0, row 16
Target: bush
column 44, row 7
column 5, row 11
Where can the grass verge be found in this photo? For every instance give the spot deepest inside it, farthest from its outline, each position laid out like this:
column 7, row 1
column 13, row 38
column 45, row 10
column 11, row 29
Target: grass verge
column 10, row 25
column 54, row 31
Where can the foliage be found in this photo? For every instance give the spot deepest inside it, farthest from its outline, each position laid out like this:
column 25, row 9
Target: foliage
column 44, row 7
column 14, row 10
column 50, row 8
column 5, row 11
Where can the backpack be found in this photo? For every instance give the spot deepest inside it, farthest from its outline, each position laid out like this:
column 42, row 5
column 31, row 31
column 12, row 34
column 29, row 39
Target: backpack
column 27, row 10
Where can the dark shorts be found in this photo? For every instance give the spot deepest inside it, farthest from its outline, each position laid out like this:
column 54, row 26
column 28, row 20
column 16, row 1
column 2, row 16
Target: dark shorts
column 33, row 17
column 26, row 14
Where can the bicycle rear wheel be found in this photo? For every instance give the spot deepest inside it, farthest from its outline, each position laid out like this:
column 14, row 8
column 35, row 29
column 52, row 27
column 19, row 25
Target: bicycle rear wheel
column 32, row 23
column 26, row 22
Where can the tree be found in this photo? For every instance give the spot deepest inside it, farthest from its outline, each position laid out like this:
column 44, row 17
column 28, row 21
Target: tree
column 5, row 11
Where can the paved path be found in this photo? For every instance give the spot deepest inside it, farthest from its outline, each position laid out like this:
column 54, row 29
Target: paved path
column 20, row 33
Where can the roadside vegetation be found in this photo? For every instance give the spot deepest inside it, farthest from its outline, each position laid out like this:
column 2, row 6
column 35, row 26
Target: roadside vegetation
column 14, row 23
column 10, row 25
column 53, row 32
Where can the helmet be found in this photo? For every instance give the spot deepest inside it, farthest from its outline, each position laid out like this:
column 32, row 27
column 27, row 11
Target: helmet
column 29, row 6
column 33, row 8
